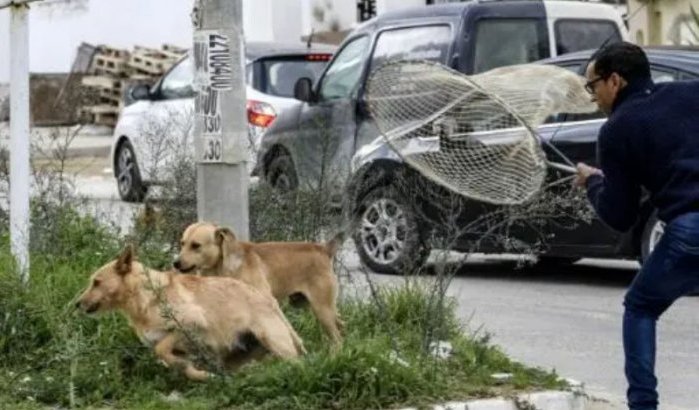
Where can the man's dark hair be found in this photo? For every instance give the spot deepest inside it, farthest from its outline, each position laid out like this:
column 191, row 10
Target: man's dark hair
column 626, row 59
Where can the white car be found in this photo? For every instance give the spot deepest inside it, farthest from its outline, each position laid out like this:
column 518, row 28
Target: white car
column 155, row 127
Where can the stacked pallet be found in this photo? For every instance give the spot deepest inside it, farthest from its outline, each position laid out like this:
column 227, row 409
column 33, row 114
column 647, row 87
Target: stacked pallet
column 112, row 72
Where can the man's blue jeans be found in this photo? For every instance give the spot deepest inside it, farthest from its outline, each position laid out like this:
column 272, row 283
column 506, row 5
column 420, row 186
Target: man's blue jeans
column 671, row 271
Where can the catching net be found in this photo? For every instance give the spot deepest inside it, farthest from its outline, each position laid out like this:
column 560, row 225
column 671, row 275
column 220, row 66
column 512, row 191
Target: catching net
column 473, row 134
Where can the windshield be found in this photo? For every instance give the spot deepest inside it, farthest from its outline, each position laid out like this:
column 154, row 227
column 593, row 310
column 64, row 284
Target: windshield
column 280, row 75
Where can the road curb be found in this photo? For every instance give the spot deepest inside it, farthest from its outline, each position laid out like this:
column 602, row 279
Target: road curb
column 71, row 152
column 78, row 152
column 574, row 399
column 546, row 400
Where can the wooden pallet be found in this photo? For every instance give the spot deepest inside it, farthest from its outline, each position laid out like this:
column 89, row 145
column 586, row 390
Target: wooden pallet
column 102, row 114
column 173, row 52
column 112, row 52
column 114, row 71
column 108, row 65
column 108, row 88
column 102, row 81
column 150, row 61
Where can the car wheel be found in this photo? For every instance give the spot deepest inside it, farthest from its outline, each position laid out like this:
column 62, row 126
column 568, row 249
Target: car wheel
column 387, row 233
column 129, row 183
column 652, row 232
column 281, row 174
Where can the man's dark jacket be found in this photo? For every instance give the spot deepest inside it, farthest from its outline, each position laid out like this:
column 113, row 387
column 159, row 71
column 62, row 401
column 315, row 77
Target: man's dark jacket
column 651, row 141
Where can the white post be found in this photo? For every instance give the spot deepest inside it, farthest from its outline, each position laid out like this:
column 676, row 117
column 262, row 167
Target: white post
column 221, row 126
column 19, row 136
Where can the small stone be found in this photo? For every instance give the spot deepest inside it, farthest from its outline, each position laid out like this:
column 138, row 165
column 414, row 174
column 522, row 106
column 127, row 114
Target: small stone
column 173, row 397
column 441, row 349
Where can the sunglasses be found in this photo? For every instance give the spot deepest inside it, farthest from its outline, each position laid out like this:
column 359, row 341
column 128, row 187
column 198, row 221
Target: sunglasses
column 590, row 85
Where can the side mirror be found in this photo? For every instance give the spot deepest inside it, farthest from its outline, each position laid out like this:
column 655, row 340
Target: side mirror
column 139, row 92
column 303, row 90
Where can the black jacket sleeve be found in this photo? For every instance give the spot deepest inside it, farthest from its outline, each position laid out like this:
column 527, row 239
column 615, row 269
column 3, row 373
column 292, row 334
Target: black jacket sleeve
column 616, row 195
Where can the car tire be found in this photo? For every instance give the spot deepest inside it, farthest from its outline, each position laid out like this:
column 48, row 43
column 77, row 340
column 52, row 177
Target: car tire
column 281, row 174
column 387, row 233
column 128, row 177
column 652, row 232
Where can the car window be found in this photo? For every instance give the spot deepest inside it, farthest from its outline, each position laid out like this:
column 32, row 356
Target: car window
column 688, row 76
column 501, row 42
column 663, row 75
column 248, row 73
column 659, row 75
column 178, row 82
column 576, row 35
column 412, row 43
column 342, row 77
column 280, row 75
column 576, row 67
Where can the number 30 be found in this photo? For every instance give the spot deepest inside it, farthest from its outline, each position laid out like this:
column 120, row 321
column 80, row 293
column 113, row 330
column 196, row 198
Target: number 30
column 213, row 151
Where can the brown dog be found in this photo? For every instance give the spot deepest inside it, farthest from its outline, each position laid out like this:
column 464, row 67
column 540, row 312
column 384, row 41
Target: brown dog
column 286, row 269
column 178, row 315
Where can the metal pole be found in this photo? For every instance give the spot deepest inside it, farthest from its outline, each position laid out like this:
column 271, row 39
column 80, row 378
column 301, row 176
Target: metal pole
column 221, row 115
column 19, row 137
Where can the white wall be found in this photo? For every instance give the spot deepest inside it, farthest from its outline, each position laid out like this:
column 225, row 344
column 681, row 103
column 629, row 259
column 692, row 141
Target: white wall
column 258, row 19
column 383, row 6
column 662, row 22
column 326, row 14
column 287, row 23
column 57, row 29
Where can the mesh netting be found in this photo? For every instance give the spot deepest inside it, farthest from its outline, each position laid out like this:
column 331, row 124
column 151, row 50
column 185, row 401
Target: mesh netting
column 473, row 134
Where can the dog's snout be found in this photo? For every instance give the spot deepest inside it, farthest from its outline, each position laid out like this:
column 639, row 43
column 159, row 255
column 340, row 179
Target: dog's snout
column 77, row 305
column 177, row 264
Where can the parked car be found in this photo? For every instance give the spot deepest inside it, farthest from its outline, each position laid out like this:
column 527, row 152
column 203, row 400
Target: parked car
column 160, row 119
column 374, row 191
column 316, row 140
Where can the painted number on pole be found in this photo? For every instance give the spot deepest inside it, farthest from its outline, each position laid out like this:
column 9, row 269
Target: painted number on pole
column 212, row 60
column 212, row 76
column 213, row 149
column 208, row 109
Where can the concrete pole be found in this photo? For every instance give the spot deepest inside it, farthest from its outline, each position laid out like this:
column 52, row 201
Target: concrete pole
column 19, row 136
column 221, row 115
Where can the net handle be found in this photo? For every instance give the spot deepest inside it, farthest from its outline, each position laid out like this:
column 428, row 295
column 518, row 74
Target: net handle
column 562, row 167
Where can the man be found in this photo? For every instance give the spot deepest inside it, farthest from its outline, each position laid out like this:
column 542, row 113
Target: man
column 651, row 142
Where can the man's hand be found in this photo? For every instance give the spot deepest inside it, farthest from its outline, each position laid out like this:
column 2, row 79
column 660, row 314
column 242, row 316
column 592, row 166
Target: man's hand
column 584, row 172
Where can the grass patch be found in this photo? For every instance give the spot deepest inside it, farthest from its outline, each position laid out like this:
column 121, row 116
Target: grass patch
column 52, row 356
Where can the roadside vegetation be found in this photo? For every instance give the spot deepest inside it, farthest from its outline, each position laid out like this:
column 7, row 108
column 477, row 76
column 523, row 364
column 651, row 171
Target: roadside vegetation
column 403, row 343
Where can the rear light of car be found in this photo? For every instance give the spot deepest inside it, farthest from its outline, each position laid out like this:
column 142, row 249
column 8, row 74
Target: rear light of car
column 260, row 113
column 318, row 57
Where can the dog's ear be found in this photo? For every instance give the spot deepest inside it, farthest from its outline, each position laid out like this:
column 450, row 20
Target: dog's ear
column 230, row 249
column 222, row 235
column 126, row 258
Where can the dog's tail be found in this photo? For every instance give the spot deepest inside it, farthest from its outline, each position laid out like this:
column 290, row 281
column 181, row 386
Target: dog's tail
column 334, row 244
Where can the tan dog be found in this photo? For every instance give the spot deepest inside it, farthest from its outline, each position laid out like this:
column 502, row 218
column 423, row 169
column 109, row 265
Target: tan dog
column 179, row 314
column 286, row 269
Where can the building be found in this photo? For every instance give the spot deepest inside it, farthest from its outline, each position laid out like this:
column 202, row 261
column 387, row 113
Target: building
column 663, row 22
